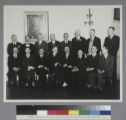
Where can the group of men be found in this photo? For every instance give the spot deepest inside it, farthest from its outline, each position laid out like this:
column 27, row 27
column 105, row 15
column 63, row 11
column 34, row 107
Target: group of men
column 79, row 62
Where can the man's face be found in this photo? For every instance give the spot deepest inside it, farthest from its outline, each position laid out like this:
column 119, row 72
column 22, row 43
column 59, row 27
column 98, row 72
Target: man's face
column 93, row 49
column 27, row 39
column 66, row 36
column 80, row 53
column 77, row 34
column 41, row 51
column 40, row 37
column 15, row 50
column 110, row 31
column 52, row 37
column 67, row 49
column 27, row 50
column 14, row 38
column 92, row 33
column 104, row 51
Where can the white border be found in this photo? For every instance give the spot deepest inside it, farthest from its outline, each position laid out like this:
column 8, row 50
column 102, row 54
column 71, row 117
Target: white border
column 62, row 100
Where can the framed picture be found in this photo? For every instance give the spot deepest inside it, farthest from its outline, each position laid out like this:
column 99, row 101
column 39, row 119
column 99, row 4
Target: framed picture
column 36, row 22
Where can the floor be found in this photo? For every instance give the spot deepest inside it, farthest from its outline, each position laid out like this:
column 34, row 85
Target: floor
column 49, row 92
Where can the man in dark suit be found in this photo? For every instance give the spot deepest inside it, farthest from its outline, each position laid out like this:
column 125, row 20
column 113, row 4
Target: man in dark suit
column 55, row 66
column 13, row 44
column 78, row 43
column 79, row 69
column 42, row 67
column 14, row 65
column 28, row 68
column 105, row 68
column 66, row 41
column 112, row 42
column 53, row 42
column 29, row 45
column 41, row 44
column 91, row 68
column 93, row 41
column 67, row 65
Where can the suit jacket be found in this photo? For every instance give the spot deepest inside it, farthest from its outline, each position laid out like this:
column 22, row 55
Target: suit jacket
column 96, row 42
column 41, row 61
column 52, row 60
column 50, row 46
column 28, row 62
column 11, row 46
column 93, row 61
column 31, row 46
column 63, row 44
column 14, row 62
column 112, row 44
column 76, row 45
column 43, row 45
column 106, row 64
column 80, row 63
column 68, row 61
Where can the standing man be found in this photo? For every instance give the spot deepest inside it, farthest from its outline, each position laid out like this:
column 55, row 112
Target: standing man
column 78, row 43
column 27, row 44
column 41, row 44
column 93, row 41
column 66, row 41
column 112, row 42
column 13, row 44
column 53, row 42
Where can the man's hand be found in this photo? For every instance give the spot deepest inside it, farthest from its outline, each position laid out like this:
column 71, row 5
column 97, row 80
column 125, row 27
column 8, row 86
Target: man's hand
column 69, row 66
column 89, row 69
column 65, row 65
column 16, row 69
column 56, row 64
column 100, row 71
column 30, row 68
column 40, row 66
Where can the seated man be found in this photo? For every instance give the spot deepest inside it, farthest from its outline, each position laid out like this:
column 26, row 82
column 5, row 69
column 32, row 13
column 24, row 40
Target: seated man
column 28, row 65
column 78, row 72
column 67, row 66
column 55, row 65
column 42, row 69
column 105, row 67
column 14, row 64
column 92, row 65
column 27, row 44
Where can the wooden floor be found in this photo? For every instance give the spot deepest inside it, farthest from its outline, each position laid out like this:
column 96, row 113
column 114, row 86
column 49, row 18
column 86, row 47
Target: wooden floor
column 49, row 92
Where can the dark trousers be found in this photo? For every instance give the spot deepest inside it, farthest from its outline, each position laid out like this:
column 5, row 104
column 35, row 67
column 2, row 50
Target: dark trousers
column 28, row 76
column 13, row 77
column 42, row 77
column 114, row 77
column 67, row 76
column 78, row 78
column 91, row 78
